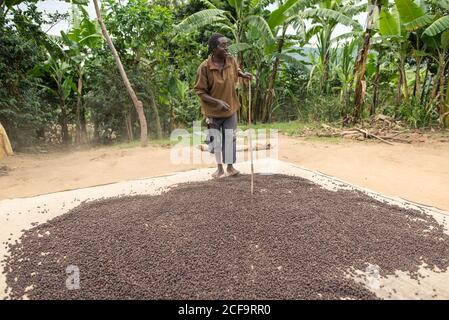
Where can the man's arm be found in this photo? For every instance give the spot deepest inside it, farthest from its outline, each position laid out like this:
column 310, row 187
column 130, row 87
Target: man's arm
column 240, row 73
column 221, row 105
column 245, row 75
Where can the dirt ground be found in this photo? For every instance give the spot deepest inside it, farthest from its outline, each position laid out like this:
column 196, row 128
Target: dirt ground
column 416, row 172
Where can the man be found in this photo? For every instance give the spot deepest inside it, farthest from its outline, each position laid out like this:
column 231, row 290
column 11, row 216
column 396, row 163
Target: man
column 215, row 85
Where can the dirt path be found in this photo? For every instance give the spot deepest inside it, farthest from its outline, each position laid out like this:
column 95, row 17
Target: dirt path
column 418, row 172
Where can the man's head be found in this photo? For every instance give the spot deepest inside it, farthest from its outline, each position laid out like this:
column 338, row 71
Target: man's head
column 218, row 45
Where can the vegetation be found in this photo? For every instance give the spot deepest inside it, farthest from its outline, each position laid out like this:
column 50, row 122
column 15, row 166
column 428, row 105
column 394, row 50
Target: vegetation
column 67, row 89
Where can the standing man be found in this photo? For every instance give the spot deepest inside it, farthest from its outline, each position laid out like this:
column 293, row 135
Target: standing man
column 215, row 85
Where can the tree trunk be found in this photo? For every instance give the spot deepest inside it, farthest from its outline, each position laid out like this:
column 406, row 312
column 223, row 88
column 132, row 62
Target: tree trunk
column 446, row 107
column 417, row 87
column 64, row 124
column 436, row 82
column 433, row 94
column 83, row 125
column 361, row 62
column 96, row 137
column 129, row 126
column 436, row 78
column 404, row 77
column 172, row 117
column 423, row 89
column 441, row 90
column 272, row 78
column 399, row 90
column 325, row 76
column 376, row 85
column 156, row 114
column 78, row 138
column 137, row 103
column 323, row 83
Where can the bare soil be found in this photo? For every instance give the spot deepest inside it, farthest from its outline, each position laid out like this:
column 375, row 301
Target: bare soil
column 417, row 171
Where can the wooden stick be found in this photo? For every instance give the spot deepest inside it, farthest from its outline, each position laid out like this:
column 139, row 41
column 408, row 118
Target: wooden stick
column 250, row 137
column 367, row 134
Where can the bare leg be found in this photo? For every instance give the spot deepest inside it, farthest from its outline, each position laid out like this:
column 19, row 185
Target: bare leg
column 219, row 172
column 231, row 170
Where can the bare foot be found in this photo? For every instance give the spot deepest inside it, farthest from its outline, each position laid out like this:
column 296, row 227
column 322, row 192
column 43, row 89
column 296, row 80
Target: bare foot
column 231, row 171
column 218, row 173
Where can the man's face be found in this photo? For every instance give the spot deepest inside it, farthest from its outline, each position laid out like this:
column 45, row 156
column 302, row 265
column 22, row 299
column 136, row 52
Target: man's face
column 222, row 48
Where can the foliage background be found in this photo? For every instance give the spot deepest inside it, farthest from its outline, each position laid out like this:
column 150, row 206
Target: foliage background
column 161, row 44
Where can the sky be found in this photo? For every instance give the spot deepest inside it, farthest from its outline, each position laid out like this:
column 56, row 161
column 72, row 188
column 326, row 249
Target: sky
column 51, row 6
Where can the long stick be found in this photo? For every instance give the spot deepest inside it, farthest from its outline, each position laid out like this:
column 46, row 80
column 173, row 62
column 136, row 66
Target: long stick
column 250, row 137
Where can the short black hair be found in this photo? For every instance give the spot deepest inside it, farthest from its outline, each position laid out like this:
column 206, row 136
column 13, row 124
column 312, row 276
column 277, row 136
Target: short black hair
column 213, row 41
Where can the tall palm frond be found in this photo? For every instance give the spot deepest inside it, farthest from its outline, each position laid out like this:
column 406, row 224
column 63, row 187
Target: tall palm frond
column 419, row 23
column 437, row 27
column 329, row 14
column 200, row 19
column 260, row 24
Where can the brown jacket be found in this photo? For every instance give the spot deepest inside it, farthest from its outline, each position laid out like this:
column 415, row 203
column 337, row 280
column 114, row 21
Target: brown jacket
column 210, row 81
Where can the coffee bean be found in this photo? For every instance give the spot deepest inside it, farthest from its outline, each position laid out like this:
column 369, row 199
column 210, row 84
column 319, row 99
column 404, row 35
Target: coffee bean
column 192, row 243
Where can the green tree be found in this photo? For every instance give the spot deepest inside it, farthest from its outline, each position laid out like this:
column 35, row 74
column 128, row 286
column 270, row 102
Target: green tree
column 80, row 40
column 325, row 19
column 137, row 103
column 25, row 108
column 143, row 30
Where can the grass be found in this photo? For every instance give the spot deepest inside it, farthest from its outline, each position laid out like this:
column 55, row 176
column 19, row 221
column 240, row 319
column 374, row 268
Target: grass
column 291, row 128
column 151, row 142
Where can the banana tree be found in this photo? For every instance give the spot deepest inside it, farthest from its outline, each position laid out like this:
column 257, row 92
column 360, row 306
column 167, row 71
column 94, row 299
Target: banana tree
column 392, row 32
column 382, row 47
column 410, row 16
column 267, row 60
column 432, row 29
column 437, row 37
column 250, row 30
column 59, row 70
column 278, row 21
column 344, row 67
column 439, row 44
column 265, row 39
column 246, row 13
column 82, row 37
column 360, row 64
column 325, row 17
column 176, row 97
column 267, row 46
